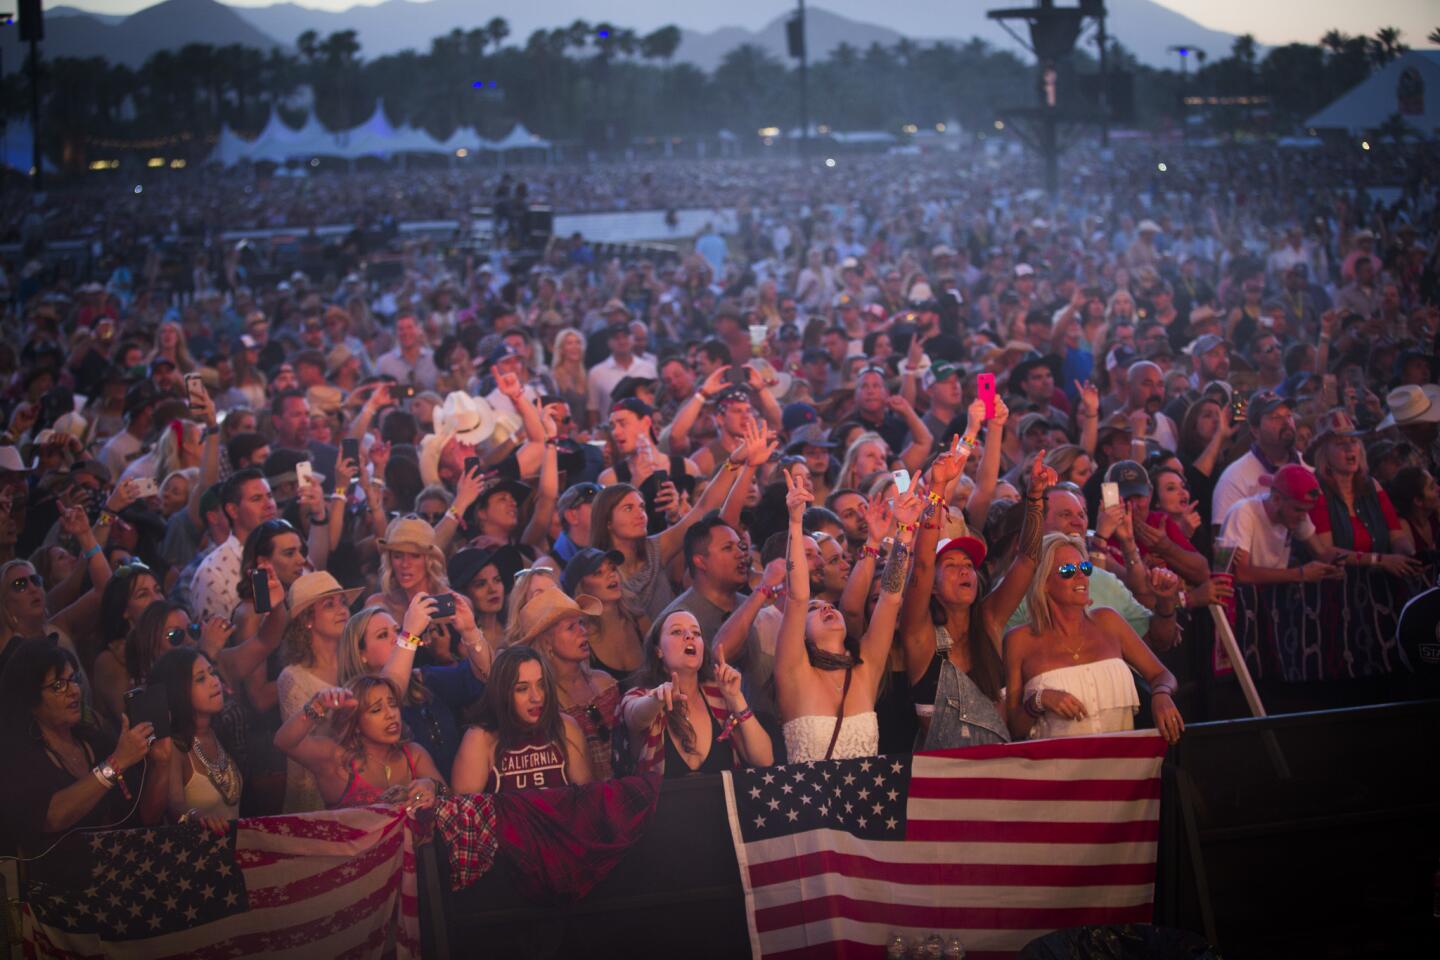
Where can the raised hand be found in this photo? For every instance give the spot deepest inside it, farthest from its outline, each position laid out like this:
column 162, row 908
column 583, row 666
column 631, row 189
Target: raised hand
column 1190, row 520
column 214, row 634
column 1089, row 396
column 124, row 494
column 948, row 465
column 878, row 519
column 974, row 417
column 797, row 498
column 728, row 679
column 330, row 700
column 345, row 471
column 1042, row 476
column 669, row 694
column 1165, row 584
column 467, row 490
column 419, row 614
column 509, row 385
column 1002, row 412
column 73, row 522
column 1148, row 536
column 908, row 507
column 133, row 744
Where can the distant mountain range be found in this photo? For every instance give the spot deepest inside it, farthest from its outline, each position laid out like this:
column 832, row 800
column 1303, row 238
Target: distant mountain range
column 1144, row 27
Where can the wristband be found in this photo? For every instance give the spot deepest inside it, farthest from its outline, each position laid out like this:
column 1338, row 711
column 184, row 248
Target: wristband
column 105, row 519
column 773, row 592
column 903, row 527
column 869, row 551
column 734, row 720
column 732, row 465
column 971, row 442
column 90, row 553
column 1155, row 692
column 1032, row 703
column 408, row 640
column 935, row 497
column 335, row 496
column 106, row 775
column 320, row 521
column 453, row 514
column 311, row 711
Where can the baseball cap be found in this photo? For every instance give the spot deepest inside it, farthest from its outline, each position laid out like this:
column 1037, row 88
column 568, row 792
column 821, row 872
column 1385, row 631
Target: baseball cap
column 796, row 415
column 1024, row 270
column 1295, row 482
column 938, row 373
column 1264, row 403
column 584, row 563
column 628, row 386
column 1130, row 477
column 633, row 405
column 970, row 546
column 809, row 435
column 1204, row 344
column 577, row 495
column 1032, row 420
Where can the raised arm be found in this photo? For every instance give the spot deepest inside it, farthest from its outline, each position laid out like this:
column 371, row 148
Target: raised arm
column 678, row 432
column 879, row 522
column 753, row 451
column 1002, row 601
column 1087, row 415
column 790, row 647
column 734, row 631
column 537, row 531
column 297, row 738
column 209, row 460
column 978, row 506
column 917, row 451
column 917, row 632
column 880, row 634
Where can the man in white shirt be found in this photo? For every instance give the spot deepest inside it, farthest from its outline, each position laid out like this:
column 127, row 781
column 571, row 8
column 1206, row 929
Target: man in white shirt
column 247, row 502
column 621, row 363
column 125, row 446
column 411, row 362
column 1261, row 529
column 1272, row 421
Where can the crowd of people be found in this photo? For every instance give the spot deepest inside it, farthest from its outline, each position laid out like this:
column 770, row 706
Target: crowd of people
column 910, row 459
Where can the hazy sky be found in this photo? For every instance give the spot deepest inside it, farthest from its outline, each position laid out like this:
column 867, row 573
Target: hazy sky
column 1271, row 21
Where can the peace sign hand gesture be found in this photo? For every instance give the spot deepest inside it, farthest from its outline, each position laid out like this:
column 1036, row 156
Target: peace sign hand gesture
column 797, row 498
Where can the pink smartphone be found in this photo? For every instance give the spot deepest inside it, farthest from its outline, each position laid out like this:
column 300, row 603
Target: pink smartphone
column 985, row 389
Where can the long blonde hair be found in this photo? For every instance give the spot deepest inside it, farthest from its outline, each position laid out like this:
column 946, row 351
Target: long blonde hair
column 350, row 658
column 569, row 376
column 1038, row 601
column 434, row 572
column 513, row 601
column 852, row 453
column 183, row 359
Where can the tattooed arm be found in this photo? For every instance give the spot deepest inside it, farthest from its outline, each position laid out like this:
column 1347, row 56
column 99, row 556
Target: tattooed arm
column 875, row 645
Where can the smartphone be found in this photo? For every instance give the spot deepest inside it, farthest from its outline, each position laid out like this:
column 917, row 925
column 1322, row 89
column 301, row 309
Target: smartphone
column 444, row 605
column 985, row 390
column 1109, row 495
column 902, row 482
column 149, row 705
column 195, row 390
column 1237, row 410
column 260, row 590
column 737, row 375
column 304, row 473
column 472, row 465
column 350, row 450
column 146, row 487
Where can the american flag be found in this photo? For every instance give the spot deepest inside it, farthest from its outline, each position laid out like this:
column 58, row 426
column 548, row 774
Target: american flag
column 336, row 884
column 995, row 845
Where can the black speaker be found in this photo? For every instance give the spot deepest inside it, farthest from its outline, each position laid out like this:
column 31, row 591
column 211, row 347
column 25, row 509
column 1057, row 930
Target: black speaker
column 795, row 37
column 32, row 21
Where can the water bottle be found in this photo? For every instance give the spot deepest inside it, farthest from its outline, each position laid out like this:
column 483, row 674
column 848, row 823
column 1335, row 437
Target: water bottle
column 954, row 949
column 895, row 947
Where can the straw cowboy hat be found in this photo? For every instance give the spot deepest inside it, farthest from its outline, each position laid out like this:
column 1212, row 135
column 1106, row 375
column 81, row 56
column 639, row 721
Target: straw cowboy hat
column 410, row 535
column 470, row 420
column 311, row 588
column 1412, row 404
column 549, row 607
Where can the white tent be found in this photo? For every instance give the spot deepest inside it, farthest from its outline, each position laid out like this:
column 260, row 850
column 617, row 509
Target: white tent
column 1408, row 85
column 520, row 138
column 17, row 146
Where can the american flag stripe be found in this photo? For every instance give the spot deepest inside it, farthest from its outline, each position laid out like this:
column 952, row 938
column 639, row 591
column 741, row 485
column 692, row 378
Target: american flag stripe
column 994, row 845
column 351, row 892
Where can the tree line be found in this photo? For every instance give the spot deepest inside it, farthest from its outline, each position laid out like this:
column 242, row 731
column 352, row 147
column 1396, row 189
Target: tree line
column 604, row 86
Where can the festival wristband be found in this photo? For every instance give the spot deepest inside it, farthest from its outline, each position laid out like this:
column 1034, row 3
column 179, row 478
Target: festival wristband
column 408, row 640
column 91, row 552
column 869, row 551
column 1032, row 703
column 935, row 497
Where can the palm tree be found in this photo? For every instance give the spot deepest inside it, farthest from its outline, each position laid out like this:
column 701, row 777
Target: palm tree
column 1386, row 46
column 661, row 44
column 497, row 30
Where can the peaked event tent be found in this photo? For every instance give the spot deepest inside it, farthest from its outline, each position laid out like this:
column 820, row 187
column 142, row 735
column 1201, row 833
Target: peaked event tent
column 1408, row 85
column 375, row 137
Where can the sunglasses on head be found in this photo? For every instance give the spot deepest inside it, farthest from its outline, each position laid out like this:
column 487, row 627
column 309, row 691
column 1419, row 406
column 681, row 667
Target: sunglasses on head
column 1067, row 570
column 602, row 732
column 131, row 567
column 21, row 584
column 521, row 573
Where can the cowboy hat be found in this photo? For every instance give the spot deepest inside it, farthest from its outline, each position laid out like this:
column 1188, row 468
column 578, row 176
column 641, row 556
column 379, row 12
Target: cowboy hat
column 311, row 588
column 776, row 381
column 1412, row 404
column 549, row 607
column 410, row 535
column 470, row 420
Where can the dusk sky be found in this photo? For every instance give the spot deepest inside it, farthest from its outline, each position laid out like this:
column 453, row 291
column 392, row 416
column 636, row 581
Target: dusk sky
column 1272, row 21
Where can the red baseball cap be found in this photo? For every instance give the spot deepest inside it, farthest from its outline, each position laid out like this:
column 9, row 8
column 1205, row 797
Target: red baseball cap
column 974, row 548
column 1295, row 482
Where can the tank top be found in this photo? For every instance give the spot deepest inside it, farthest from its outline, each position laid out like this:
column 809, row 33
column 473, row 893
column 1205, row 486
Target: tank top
column 360, row 792
column 530, row 766
column 718, row 760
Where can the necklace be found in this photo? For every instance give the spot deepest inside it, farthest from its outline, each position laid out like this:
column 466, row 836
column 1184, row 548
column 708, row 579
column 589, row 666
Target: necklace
column 384, row 765
column 1075, row 650
column 220, row 772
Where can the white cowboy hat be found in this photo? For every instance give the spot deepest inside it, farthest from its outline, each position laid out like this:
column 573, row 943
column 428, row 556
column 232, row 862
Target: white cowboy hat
column 470, row 420
column 1412, row 404
column 776, row 381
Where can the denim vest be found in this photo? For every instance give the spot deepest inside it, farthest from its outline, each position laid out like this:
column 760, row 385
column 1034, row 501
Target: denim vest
column 964, row 716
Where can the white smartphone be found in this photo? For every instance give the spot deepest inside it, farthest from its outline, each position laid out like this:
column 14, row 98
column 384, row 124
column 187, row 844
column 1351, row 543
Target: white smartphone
column 1109, row 495
column 146, row 487
column 902, row 481
column 304, row 473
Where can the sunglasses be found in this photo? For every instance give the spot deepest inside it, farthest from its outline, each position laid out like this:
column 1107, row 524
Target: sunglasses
column 62, row 684
column 131, row 567
column 179, row 635
column 1067, row 570
column 521, row 573
column 602, row 731
column 21, row 584
column 432, row 518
